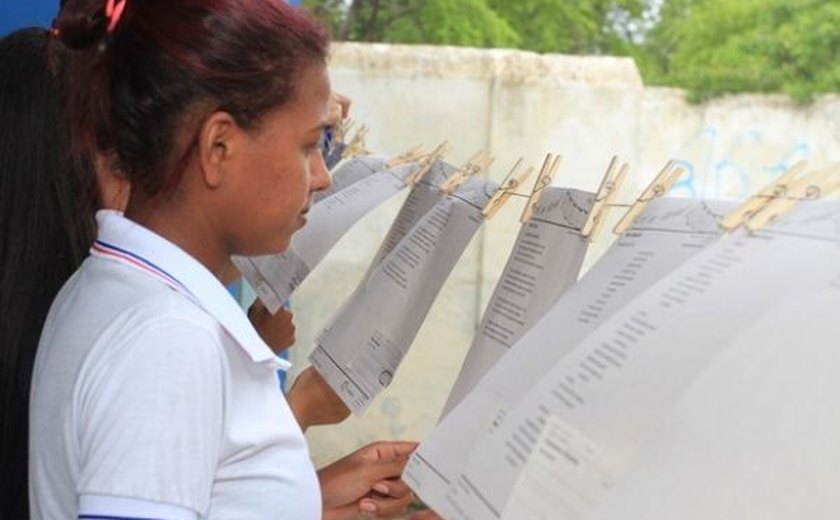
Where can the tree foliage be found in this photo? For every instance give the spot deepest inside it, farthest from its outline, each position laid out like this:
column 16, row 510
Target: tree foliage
column 467, row 22
column 579, row 26
column 572, row 27
column 712, row 47
column 709, row 47
column 444, row 22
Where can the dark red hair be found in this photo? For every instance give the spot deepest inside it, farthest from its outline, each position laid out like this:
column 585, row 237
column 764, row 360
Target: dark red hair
column 135, row 91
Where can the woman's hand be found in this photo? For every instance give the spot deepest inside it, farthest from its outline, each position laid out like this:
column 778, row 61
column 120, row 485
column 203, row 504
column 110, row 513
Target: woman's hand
column 338, row 108
column 277, row 330
column 367, row 482
column 314, row 402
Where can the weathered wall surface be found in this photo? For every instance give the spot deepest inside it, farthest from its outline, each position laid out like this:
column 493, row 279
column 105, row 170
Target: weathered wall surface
column 519, row 104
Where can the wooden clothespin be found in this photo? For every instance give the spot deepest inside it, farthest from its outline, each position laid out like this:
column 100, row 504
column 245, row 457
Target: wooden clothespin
column 426, row 163
column 543, row 181
column 777, row 188
column 802, row 188
column 477, row 164
column 356, row 146
column 660, row 185
column 506, row 190
column 411, row 155
column 607, row 191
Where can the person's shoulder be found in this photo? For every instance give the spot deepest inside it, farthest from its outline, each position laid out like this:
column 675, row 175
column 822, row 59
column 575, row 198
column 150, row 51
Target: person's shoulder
column 169, row 322
column 108, row 312
column 159, row 336
column 147, row 299
column 142, row 312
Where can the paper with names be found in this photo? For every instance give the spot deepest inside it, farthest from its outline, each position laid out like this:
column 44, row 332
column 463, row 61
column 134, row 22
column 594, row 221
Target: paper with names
column 421, row 198
column 669, row 232
column 544, row 262
column 566, row 459
column 275, row 277
column 359, row 352
column 617, row 385
column 755, row 435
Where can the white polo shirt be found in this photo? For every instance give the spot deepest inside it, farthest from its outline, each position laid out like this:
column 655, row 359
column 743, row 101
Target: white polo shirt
column 153, row 396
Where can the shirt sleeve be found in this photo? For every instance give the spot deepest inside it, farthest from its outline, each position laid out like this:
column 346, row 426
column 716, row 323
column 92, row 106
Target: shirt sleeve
column 150, row 416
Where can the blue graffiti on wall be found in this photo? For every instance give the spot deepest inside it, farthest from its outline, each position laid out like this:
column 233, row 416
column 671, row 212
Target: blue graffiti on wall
column 733, row 169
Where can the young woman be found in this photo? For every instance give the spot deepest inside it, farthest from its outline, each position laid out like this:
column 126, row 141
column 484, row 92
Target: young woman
column 46, row 196
column 153, row 396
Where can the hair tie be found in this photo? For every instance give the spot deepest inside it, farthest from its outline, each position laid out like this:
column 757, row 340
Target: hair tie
column 113, row 12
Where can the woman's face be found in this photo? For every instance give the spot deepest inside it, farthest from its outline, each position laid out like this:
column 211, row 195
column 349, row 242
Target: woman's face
column 281, row 167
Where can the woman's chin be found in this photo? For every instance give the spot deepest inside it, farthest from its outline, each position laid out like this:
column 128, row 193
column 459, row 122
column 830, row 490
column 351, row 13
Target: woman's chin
column 275, row 246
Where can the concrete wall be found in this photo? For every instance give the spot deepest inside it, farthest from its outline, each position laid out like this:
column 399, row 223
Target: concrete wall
column 519, row 104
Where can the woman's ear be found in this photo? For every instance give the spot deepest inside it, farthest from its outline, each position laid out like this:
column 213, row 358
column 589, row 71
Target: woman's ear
column 216, row 146
column 113, row 187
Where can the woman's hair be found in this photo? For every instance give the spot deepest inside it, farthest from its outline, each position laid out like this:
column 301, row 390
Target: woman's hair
column 47, row 201
column 142, row 83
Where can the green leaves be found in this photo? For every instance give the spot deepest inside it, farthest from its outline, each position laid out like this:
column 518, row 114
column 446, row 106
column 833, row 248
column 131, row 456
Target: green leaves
column 714, row 47
column 567, row 26
column 466, row 22
column 710, row 47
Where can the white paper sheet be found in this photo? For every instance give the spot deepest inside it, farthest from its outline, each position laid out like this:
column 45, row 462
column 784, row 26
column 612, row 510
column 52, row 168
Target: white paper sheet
column 569, row 463
column 668, row 233
column 421, row 198
column 755, row 435
column 544, row 262
column 618, row 384
column 359, row 352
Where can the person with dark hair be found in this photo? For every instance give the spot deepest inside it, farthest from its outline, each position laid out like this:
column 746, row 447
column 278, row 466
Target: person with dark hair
column 152, row 394
column 47, row 203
